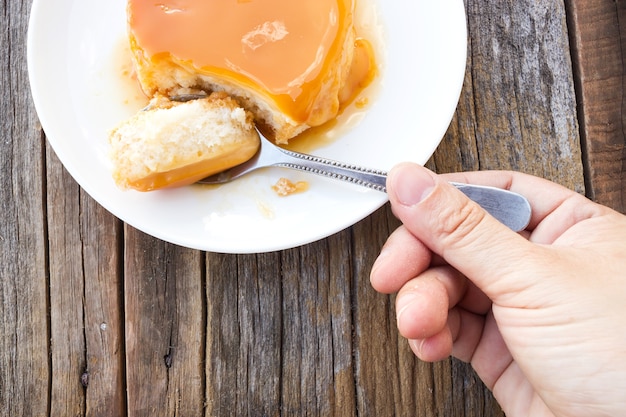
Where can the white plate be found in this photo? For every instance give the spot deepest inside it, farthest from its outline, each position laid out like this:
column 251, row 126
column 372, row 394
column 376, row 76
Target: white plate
column 75, row 67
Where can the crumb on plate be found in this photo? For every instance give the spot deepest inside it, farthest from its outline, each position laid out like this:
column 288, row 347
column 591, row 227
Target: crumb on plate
column 285, row 187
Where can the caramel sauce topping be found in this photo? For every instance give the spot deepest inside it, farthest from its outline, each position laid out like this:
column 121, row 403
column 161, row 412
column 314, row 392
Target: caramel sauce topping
column 279, row 48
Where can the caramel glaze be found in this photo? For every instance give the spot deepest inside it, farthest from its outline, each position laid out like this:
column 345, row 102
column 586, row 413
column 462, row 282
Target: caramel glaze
column 228, row 157
column 279, row 48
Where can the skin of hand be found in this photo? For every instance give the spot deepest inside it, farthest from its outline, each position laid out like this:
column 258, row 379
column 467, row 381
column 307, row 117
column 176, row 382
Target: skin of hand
column 540, row 315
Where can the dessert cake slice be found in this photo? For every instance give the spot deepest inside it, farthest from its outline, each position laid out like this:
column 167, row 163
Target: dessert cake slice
column 285, row 61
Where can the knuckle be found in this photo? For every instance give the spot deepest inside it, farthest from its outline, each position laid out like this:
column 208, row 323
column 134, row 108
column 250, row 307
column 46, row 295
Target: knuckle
column 456, row 226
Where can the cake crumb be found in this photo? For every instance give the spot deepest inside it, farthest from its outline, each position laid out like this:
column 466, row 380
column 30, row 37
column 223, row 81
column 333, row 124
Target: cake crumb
column 285, row 187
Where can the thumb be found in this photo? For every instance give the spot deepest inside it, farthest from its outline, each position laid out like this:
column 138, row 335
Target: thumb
column 451, row 225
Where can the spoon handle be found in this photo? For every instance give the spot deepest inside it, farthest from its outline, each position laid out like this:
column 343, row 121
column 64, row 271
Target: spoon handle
column 366, row 177
column 511, row 209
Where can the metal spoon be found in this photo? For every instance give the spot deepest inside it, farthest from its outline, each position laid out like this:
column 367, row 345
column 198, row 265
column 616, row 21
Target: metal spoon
column 511, row 209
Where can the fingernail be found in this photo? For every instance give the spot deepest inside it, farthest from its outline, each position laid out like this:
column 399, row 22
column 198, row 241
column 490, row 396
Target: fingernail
column 411, row 184
column 416, row 346
column 403, row 303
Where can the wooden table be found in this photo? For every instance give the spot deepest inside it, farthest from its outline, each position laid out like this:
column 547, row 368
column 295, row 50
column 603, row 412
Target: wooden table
column 100, row 319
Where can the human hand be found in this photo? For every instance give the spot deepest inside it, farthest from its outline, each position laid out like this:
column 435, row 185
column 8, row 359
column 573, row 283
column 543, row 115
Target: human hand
column 541, row 315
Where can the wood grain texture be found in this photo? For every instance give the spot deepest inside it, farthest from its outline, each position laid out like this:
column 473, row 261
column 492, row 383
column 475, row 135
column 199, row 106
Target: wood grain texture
column 164, row 332
column 24, row 327
column 102, row 234
column 98, row 319
column 66, row 293
column 518, row 106
column 87, row 340
column 598, row 40
column 317, row 330
column 243, row 363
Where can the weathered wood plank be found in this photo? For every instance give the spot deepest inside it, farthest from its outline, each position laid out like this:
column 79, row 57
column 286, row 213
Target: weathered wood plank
column 87, row 353
column 102, row 236
column 243, row 347
column 378, row 370
column 340, row 315
column 518, row 106
column 598, row 40
column 165, row 331
column 223, row 333
column 24, row 336
column 67, row 292
column 317, row 329
column 280, row 332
